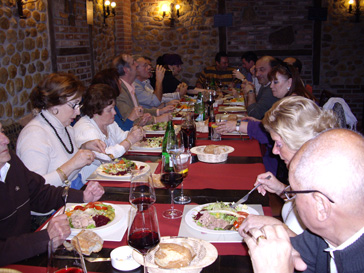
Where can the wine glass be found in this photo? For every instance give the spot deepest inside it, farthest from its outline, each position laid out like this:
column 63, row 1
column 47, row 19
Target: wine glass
column 171, row 179
column 62, row 259
column 143, row 231
column 182, row 163
column 142, row 193
column 175, row 144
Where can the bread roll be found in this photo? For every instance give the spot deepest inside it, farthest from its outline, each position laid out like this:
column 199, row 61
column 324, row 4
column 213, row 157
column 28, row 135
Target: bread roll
column 171, row 255
column 89, row 242
column 214, row 149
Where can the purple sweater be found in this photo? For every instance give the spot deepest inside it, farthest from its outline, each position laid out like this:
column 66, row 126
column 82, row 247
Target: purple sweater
column 257, row 131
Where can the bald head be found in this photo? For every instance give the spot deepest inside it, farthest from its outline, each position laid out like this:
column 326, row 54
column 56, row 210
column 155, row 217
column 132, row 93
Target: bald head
column 332, row 163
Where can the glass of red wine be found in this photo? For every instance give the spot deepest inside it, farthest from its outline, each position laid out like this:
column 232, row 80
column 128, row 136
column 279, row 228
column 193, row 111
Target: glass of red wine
column 143, row 231
column 171, row 178
column 64, row 257
column 142, row 193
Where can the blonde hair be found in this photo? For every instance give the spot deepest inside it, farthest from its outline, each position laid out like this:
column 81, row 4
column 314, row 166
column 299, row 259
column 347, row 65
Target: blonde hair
column 297, row 119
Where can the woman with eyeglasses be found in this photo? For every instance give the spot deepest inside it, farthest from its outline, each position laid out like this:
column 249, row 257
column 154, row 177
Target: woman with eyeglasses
column 98, row 122
column 290, row 122
column 47, row 144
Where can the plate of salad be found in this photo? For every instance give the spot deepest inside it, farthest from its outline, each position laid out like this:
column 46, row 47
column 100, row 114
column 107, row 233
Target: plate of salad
column 218, row 217
column 153, row 144
column 158, row 128
column 122, row 169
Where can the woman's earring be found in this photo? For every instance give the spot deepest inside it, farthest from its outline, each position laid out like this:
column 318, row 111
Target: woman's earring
column 55, row 111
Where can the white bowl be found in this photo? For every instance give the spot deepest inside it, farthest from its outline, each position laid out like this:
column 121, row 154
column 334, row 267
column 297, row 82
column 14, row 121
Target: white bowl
column 122, row 259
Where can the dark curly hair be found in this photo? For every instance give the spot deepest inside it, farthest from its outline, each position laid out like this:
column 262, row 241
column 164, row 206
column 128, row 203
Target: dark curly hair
column 56, row 89
column 97, row 98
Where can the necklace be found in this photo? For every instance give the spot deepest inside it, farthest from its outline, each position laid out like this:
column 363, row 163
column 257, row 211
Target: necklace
column 54, row 129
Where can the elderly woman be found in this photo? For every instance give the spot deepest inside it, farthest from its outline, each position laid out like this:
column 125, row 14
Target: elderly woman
column 47, row 145
column 290, row 122
column 98, row 122
column 111, row 77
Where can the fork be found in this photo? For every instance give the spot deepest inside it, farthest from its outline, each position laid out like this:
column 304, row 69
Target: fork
column 65, row 194
column 246, row 196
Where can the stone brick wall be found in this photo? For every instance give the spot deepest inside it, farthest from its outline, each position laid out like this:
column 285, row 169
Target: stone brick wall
column 25, row 48
column 193, row 36
column 24, row 55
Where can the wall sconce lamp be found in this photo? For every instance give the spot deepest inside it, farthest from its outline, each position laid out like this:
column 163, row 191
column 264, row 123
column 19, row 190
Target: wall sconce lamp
column 171, row 9
column 106, row 7
column 356, row 9
column 20, row 5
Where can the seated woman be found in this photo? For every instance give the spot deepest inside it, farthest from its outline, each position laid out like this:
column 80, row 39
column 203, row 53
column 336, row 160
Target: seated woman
column 47, row 145
column 98, row 122
column 285, row 81
column 111, row 77
column 290, row 122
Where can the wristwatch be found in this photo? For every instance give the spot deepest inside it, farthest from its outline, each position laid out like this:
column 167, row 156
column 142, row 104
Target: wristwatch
column 237, row 128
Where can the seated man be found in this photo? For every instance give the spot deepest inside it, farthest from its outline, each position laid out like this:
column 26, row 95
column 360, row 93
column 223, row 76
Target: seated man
column 23, row 191
column 326, row 177
column 298, row 65
column 127, row 100
column 257, row 105
column 220, row 71
column 147, row 96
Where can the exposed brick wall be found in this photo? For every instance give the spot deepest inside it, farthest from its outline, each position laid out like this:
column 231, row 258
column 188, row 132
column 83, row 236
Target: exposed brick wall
column 123, row 29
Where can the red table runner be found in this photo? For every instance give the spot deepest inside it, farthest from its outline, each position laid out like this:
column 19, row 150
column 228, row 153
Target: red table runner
column 214, row 176
column 169, row 227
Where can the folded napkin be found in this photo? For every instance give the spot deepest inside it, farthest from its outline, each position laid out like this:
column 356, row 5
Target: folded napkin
column 201, row 126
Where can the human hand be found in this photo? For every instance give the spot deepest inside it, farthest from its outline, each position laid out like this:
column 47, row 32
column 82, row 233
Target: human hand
column 256, row 221
column 271, row 184
column 159, row 72
column 166, row 109
column 164, row 117
column 59, row 226
column 96, row 145
column 182, row 89
column 82, row 158
column 136, row 134
column 273, row 251
column 226, row 126
column 144, row 119
column 136, row 113
column 173, row 102
column 237, row 74
column 247, row 87
column 93, row 192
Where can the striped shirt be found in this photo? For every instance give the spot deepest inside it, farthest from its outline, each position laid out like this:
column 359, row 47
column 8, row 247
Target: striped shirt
column 226, row 77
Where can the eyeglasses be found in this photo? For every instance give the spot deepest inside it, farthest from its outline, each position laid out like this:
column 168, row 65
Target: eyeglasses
column 74, row 106
column 292, row 194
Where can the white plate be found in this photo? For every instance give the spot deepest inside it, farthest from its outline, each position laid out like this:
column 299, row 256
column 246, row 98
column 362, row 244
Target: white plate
column 148, row 130
column 191, row 222
column 118, row 217
column 145, row 149
column 126, row 177
column 232, row 109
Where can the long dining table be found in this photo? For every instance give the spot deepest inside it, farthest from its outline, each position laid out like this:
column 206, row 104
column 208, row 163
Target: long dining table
column 227, row 181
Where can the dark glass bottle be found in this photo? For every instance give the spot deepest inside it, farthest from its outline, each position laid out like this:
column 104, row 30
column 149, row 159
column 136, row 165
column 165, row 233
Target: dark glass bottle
column 169, row 131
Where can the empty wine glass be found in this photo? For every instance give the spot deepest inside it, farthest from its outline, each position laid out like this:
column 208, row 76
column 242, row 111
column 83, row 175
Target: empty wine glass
column 183, row 161
column 171, row 179
column 64, row 257
column 143, row 231
column 142, row 193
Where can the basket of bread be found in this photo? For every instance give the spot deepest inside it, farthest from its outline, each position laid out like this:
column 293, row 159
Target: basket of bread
column 179, row 254
column 212, row 153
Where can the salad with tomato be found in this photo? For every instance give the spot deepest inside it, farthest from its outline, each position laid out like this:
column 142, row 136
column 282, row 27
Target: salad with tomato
column 220, row 216
column 120, row 168
column 91, row 215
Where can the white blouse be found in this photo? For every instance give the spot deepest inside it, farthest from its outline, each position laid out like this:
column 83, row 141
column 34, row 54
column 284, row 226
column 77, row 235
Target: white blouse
column 42, row 151
column 86, row 129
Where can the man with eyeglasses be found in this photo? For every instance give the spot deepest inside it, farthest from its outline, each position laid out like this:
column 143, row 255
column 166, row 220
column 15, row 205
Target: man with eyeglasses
column 327, row 179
